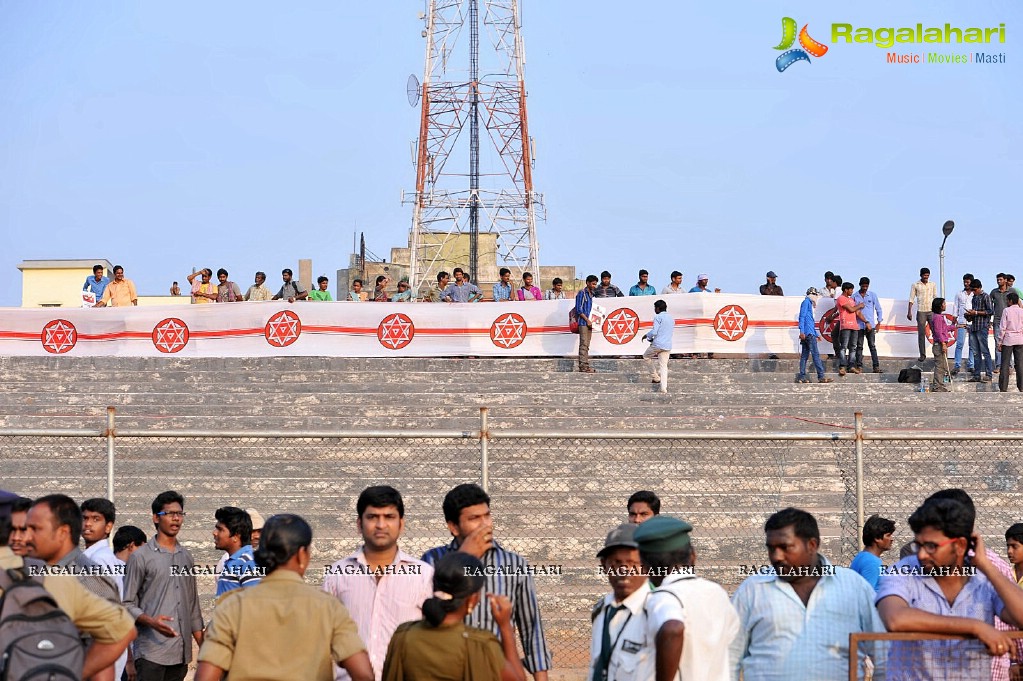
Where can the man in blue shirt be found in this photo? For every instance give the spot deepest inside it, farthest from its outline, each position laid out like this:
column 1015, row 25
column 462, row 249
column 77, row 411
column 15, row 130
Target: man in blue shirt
column 463, row 290
column 233, row 533
column 660, row 344
column 503, row 288
column 877, row 538
column 643, row 288
column 808, row 338
column 97, row 283
column 870, row 317
column 583, row 307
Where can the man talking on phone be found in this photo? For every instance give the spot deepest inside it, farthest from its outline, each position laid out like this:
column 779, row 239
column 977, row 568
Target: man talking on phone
column 951, row 586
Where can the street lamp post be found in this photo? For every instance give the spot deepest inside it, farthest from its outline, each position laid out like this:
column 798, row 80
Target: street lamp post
column 946, row 229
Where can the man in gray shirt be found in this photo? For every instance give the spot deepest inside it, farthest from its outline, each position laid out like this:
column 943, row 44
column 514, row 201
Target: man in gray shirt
column 463, row 290
column 999, row 303
column 160, row 593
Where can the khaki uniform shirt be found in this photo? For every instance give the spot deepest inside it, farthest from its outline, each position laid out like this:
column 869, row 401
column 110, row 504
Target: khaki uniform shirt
column 100, row 619
column 251, row 627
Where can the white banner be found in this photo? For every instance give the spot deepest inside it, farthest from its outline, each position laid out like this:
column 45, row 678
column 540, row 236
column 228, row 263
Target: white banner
column 722, row 323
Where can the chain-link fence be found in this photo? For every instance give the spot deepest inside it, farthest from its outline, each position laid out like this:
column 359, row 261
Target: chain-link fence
column 555, row 494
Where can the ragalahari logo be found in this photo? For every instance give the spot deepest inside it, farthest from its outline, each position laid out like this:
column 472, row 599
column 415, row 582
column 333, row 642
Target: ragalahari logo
column 788, row 37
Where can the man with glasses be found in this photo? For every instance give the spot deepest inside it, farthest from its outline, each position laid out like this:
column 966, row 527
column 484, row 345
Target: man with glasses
column 160, row 593
column 950, row 591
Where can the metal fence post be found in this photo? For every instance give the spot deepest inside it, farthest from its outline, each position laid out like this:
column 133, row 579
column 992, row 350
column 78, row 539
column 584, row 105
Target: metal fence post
column 110, row 452
column 858, row 421
column 484, row 450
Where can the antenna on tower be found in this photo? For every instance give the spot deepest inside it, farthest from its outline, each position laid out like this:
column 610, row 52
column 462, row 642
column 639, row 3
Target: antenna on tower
column 468, row 121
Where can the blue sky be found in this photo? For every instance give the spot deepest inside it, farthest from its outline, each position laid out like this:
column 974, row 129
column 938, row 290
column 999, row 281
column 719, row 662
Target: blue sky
column 164, row 136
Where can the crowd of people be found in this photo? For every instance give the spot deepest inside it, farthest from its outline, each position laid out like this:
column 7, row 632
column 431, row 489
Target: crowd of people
column 462, row 609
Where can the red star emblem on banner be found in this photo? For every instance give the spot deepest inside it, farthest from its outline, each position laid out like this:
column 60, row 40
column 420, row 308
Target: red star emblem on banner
column 621, row 326
column 952, row 323
column 730, row 323
column 170, row 335
column 283, row 329
column 828, row 323
column 508, row 331
column 59, row 336
column 396, row 331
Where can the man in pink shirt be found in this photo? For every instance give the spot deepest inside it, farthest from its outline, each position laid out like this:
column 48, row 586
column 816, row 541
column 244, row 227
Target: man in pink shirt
column 381, row 585
column 1010, row 341
column 848, row 322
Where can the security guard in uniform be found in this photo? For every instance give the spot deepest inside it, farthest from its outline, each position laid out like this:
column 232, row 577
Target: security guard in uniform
column 619, row 648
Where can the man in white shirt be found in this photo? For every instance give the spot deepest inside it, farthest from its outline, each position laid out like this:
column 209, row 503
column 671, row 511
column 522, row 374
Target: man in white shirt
column 689, row 619
column 380, row 585
column 963, row 302
column 619, row 647
column 98, row 516
column 675, row 286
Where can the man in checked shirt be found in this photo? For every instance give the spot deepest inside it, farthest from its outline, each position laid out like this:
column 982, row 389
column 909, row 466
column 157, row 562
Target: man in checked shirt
column 467, row 512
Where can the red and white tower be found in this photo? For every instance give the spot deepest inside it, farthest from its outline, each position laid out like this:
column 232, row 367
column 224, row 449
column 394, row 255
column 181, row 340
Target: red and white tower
column 474, row 157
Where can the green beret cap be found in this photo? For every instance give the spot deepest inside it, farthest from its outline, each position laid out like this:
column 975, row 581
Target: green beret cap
column 663, row 533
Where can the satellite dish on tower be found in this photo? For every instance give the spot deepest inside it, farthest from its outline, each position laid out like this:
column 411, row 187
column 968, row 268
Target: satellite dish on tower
column 413, row 90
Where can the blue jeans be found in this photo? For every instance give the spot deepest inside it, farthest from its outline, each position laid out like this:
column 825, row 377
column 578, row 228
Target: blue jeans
column 981, row 351
column 962, row 336
column 847, row 348
column 998, row 354
column 810, row 350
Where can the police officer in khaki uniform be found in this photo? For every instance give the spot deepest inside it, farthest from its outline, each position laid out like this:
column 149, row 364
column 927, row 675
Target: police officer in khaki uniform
column 619, row 646
column 284, row 628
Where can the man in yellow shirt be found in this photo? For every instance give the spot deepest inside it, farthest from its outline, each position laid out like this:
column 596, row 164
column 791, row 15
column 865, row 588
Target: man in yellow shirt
column 120, row 292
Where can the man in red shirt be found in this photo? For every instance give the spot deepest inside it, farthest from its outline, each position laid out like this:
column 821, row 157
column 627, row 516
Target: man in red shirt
column 850, row 327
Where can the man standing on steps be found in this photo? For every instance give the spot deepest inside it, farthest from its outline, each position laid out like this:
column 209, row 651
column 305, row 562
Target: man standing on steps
column 922, row 293
column 380, row 585
column 870, row 317
column 998, row 304
column 808, row 338
column 660, row 337
column 467, row 513
column 980, row 323
column 848, row 321
column 963, row 302
column 160, row 593
column 583, row 308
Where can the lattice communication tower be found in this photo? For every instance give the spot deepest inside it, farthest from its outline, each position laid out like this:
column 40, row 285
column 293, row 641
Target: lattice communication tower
column 468, row 181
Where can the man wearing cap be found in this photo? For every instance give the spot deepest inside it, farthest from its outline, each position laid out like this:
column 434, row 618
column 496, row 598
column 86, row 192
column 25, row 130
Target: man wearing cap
column 701, row 285
column 796, row 616
column 771, row 288
column 619, row 647
column 689, row 618
column 808, row 338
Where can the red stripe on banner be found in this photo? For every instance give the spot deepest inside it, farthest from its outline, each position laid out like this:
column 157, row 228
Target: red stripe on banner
column 117, row 335
column 19, row 335
column 226, row 333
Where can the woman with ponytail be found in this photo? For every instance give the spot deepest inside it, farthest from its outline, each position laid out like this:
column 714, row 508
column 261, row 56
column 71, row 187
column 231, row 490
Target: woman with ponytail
column 440, row 647
column 282, row 628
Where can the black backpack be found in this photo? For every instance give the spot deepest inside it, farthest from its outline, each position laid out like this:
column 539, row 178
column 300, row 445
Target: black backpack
column 38, row 641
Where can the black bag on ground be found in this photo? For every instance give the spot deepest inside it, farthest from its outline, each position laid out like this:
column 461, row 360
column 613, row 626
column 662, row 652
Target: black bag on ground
column 909, row 376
